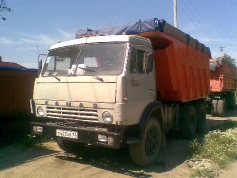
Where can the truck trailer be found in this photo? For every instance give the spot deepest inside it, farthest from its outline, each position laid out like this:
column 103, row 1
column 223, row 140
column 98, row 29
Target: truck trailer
column 222, row 86
column 128, row 85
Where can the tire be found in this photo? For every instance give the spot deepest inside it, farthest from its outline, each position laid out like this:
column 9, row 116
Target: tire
column 188, row 122
column 69, row 146
column 214, row 107
column 221, row 107
column 230, row 101
column 201, row 117
column 146, row 152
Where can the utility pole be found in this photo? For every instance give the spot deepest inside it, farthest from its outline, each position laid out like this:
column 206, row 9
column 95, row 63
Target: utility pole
column 222, row 53
column 175, row 14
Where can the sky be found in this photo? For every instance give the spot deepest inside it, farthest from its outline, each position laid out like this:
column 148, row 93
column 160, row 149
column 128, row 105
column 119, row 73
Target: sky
column 34, row 25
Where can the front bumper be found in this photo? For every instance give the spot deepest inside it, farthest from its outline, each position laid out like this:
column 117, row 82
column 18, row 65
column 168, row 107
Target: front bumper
column 84, row 135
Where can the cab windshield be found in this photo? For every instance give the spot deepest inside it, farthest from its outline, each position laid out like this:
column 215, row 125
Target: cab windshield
column 85, row 59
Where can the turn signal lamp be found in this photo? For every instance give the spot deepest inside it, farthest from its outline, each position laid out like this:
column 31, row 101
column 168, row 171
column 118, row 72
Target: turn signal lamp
column 125, row 99
column 40, row 111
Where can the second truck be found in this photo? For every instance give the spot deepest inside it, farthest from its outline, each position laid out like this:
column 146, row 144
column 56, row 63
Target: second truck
column 123, row 86
column 222, row 86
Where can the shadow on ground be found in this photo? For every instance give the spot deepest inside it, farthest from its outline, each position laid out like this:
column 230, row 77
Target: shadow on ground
column 119, row 161
column 13, row 129
column 13, row 132
column 14, row 155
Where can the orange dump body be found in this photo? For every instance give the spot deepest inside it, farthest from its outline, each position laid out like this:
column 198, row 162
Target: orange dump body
column 223, row 78
column 182, row 71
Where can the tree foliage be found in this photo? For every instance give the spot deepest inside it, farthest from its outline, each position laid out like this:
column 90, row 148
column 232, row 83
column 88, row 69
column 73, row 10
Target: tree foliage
column 3, row 8
column 229, row 59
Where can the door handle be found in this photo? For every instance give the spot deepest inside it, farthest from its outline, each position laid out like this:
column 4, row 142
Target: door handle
column 135, row 83
column 151, row 91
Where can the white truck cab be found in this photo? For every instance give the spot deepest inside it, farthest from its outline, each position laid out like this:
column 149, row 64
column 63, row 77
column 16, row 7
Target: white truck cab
column 94, row 90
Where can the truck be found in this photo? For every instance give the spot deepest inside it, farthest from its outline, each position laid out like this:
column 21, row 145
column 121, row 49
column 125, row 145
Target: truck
column 123, row 86
column 222, row 86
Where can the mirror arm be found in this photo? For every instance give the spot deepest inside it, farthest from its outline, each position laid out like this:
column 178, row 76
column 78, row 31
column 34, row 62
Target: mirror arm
column 40, row 63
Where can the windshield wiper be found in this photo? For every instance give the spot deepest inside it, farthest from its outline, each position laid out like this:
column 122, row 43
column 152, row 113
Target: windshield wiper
column 95, row 77
column 87, row 69
column 98, row 78
column 72, row 72
column 52, row 74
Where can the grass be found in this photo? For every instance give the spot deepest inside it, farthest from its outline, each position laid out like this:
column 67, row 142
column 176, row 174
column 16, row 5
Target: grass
column 219, row 145
column 34, row 141
column 202, row 173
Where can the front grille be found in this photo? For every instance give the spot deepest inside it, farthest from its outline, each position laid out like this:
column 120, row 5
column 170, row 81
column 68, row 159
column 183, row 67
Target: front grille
column 72, row 113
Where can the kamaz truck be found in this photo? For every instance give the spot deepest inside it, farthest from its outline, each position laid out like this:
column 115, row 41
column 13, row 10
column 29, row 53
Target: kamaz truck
column 222, row 86
column 128, row 85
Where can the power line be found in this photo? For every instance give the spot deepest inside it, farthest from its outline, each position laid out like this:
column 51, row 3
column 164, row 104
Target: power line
column 194, row 16
column 189, row 12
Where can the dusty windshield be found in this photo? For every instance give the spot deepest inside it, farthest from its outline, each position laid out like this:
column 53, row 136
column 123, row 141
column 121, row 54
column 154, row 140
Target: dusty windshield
column 85, row 59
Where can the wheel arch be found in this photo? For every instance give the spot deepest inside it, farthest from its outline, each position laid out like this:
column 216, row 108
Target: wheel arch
column 154, row 109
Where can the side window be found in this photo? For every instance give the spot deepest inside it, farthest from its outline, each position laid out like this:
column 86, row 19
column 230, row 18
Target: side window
column 141, row 61
column 133, row 62
column 138, row 62
column 149, row 66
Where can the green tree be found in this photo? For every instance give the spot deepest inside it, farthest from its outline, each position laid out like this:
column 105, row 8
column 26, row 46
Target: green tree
column 229, row 59
column 3, row 8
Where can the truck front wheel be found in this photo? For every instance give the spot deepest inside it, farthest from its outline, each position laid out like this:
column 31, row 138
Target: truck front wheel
column 69, row 146
column 145, row 153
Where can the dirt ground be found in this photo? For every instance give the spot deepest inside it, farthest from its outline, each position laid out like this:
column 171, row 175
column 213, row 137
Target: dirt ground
column 50, row 161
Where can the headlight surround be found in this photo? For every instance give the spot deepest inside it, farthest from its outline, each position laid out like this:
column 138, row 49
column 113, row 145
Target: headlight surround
column 107, row 117
column 40, row 111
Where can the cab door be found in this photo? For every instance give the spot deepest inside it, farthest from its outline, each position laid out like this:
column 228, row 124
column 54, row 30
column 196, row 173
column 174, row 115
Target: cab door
column 141, row 86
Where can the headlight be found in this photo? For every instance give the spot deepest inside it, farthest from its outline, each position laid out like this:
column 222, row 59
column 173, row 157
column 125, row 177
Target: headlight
column 40, row 111
column 107, row 117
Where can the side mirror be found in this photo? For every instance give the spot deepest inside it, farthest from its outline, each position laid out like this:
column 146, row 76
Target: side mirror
column 39, row 67
column 40, row 63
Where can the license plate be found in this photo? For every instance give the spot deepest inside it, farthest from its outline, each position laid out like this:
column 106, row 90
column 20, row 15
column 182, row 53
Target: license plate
column 66, row 134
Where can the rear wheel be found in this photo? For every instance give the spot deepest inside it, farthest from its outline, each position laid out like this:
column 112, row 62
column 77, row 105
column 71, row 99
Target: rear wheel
column 146, row 152
column 188, row 121
column 69, row 146
column 214, row 107
column 201, row 117
column 230, row 101
column 221, row 108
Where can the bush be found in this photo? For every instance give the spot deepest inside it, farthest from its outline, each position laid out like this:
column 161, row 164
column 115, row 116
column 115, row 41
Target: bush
column 218, row 146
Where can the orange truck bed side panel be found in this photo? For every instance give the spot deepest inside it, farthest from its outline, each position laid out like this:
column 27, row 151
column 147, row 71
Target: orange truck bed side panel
column 223, row 78
column 16, row 88
column 182, row 72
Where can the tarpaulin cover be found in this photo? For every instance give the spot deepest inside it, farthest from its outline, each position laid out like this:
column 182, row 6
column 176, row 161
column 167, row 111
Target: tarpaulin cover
column 216, row 63
column 149, row 25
